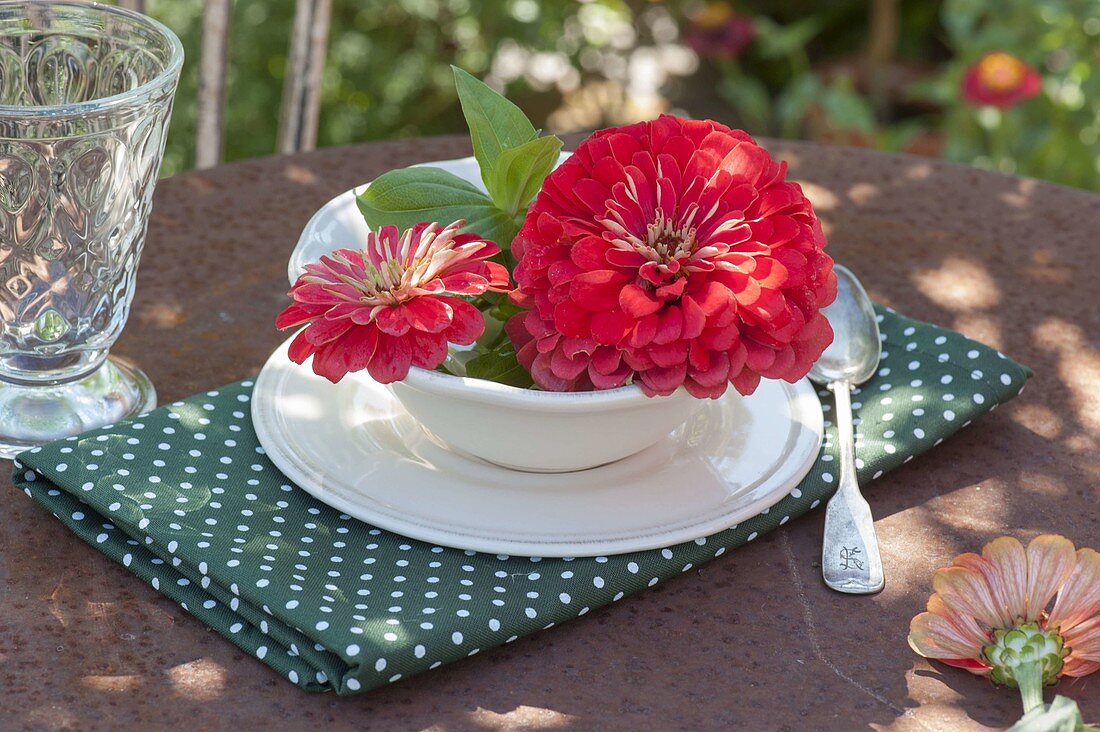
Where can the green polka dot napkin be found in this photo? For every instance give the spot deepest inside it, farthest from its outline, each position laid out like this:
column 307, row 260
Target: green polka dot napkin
column 185, row 498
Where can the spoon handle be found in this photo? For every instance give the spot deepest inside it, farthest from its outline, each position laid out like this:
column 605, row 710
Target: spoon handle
column 850, row 560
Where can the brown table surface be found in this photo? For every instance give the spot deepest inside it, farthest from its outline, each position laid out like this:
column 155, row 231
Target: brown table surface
column 752, row 639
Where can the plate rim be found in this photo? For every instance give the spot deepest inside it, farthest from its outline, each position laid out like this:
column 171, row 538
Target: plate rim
column 309, row 479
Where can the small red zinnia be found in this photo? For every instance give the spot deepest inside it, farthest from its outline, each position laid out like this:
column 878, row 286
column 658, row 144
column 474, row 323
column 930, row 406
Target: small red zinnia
column 393, row 304
column 1001, row 80
column 670, row 253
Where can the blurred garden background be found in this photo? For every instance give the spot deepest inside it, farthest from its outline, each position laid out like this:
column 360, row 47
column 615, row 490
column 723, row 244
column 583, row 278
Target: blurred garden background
column 1009, row 85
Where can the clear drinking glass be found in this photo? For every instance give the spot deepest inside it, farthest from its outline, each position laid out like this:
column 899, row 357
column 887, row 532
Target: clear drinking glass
column 85, row 95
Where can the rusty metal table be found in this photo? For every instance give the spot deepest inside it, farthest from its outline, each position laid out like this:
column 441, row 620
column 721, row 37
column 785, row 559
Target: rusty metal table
column 751, row 640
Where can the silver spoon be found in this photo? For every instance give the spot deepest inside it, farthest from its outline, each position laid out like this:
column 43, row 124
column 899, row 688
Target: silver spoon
column 850, row 560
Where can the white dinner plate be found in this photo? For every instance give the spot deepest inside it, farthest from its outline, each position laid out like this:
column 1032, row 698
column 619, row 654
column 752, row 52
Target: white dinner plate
column 352, row 446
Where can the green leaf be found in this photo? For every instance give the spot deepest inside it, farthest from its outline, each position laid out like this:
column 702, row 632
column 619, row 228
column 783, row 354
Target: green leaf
column 750, row 99
column 499, row 228
column 407, row 196
column 408, row 193
column 960, row 17
column 493, row 335
column 504, row 310
column 794, row 101
column 936, row 91
column 846, row 109
column 518, row 173
column 495, row 123
column 778, row 41
column 500, row 365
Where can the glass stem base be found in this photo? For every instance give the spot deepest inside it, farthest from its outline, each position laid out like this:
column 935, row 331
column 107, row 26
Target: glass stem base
column 34, row 415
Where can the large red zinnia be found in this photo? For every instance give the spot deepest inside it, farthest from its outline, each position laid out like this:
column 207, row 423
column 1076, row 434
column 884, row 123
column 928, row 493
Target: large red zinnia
column 392, row 306
column 670, row 253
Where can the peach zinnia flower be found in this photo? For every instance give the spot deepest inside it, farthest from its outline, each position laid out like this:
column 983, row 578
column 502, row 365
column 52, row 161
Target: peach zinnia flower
column 393, row 305
column 1000, row 79
column 1022, row 616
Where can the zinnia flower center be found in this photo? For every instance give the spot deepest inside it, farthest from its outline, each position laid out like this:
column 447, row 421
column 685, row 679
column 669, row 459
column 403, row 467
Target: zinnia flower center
column 1026, row 647
column 666, row 242
column 667, row 250
column 389, row 283
column 386, row 279
column 398, row 270
column 1001, row 72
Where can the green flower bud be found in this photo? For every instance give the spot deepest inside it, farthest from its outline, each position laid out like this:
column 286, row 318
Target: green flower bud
column 1025, row 645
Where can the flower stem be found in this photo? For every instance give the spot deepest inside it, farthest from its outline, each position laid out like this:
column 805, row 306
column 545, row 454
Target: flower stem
column 1029, row 676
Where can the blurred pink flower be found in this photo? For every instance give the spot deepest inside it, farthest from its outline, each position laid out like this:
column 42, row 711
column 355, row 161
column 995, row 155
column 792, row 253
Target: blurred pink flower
column 1000, row 79
column 717, row 32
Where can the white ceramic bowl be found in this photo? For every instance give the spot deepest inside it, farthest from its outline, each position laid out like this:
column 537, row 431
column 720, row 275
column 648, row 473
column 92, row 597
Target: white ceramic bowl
column 517, row 428
column 539, row 431
column 339, row 224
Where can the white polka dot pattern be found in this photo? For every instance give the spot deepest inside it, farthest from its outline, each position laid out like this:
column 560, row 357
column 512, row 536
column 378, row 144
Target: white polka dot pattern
column 185, row 499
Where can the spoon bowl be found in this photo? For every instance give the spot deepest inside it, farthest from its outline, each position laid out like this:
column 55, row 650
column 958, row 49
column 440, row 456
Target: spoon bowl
column 854, row 354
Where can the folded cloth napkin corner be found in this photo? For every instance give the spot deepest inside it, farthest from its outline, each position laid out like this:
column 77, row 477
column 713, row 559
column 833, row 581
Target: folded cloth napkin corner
column 186, row 500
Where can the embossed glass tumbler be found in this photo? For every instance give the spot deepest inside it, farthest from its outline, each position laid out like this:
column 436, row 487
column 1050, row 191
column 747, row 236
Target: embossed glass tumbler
column 85, row 95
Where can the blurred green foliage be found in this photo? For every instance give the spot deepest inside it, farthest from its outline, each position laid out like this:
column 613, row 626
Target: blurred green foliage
column 387, row 72
column 834, row 73
column 1053, row 136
